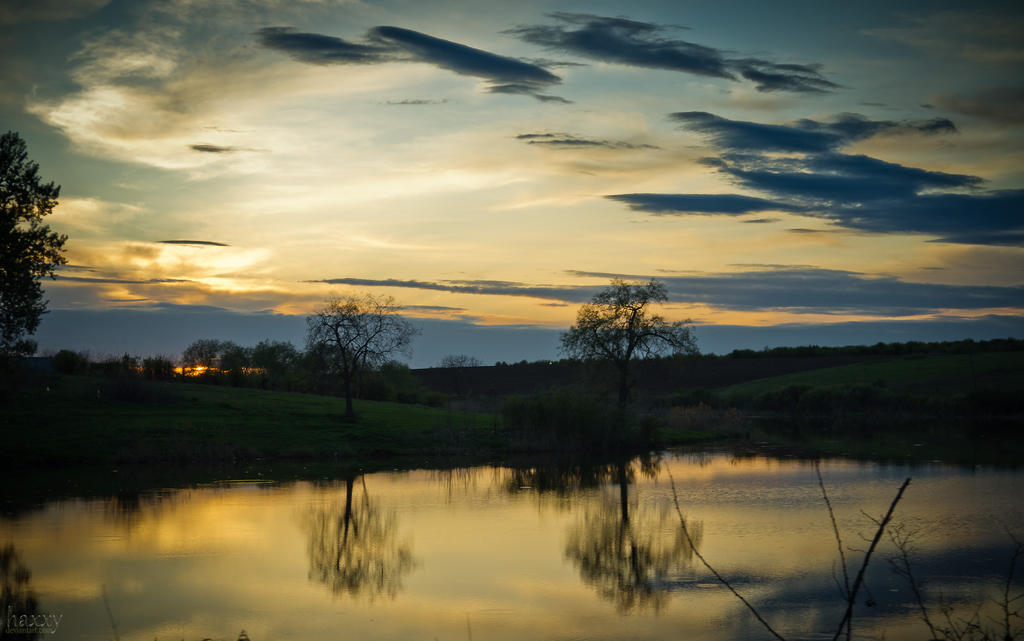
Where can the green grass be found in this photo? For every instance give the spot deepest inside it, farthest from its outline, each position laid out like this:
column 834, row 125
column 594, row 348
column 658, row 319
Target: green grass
column 78, row 419
column 927, row 374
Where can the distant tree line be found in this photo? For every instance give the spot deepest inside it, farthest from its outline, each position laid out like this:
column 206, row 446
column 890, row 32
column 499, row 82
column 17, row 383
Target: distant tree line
column 966, row 346
column 269, row 365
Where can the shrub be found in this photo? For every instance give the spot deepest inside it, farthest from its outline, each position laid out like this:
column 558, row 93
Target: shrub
column 157, row 368
column 71, row 363
column 565, row 420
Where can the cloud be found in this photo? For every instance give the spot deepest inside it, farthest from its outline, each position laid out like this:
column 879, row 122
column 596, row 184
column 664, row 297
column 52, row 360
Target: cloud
column 828, row 291
column 804, row 135
column 199, row 243
column 482, row 287
column 213, row 149
column 850, row 190
column 1001, row 105
column 836, row 180
column 799, row 289
column 19, row 11
column 569, row 141
column 679, row 204
column 414, row 102
column 318, row 49
column 771, row 76
column 988, row 37
column 396, row 44
column 124, row 281
column 501, row 71
column 643, row 44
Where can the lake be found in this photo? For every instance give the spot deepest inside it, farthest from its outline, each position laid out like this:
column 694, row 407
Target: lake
column 493, row 553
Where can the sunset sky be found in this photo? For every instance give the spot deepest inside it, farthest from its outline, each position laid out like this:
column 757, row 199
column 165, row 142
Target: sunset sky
column 829, row 172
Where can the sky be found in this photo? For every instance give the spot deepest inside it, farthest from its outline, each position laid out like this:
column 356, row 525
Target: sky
column 794, row 172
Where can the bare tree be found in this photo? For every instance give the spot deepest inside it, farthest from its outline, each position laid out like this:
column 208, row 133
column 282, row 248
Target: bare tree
column 617, row 326
column 356, row 333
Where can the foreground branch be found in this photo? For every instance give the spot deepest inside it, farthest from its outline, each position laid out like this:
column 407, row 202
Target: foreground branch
column 721, row 579
column 857, row 582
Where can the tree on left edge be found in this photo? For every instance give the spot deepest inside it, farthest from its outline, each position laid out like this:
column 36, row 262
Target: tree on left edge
column 29, row 249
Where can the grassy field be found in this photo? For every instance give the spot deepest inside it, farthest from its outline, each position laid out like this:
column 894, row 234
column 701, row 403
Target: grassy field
column 79, row 419
column 918, row 374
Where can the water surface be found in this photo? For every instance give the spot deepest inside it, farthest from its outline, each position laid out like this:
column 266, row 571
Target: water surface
column 497, row 553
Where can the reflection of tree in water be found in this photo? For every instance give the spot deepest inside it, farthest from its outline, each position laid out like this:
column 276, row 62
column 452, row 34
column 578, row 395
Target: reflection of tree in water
column 16, row 594
column 354, row 548
column 630, row 556
column 569, row 480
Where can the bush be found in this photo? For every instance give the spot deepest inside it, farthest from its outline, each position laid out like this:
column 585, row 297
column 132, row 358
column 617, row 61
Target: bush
column 71, row 363
column 157, row 368
column 114, row 367
column 567, row 421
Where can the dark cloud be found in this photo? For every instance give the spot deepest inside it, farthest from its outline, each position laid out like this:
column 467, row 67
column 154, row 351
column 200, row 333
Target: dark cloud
column 485, row 287
column 850, row 190
column 804, row 136
column 802, row 289
column 389, row 44
column 569, row 141
column 643, row 44
column 501, row 71
column 624, row 41
column 680, row 204
column 760, row 220
column 200, row 243
column 213, row 149
column 434, row 308
column 415, row 102
column 835, row 180
column 770, row 76
column 318, row 49
column 1002, row 105
column 826, row 291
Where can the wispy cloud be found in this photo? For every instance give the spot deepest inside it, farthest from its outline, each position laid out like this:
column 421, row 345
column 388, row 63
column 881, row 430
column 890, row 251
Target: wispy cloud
column 48, row 10
column 644, row 44
column 482, row 287
column 804, row 135
column 977, row 35
column 414, row 102
column 725, row 204
column 214, row 149
column 828, row 291
column 197, row 243
column 396, row 44
column 1001, row 105
column 319, row 49
column 570, row 141
column 776, row 288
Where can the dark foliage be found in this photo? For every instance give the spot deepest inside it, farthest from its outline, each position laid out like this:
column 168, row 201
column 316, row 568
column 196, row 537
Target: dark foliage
column 29, row 249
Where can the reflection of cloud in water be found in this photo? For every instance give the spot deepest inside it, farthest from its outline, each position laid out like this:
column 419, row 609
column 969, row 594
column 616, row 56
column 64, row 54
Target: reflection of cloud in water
column 354, row 547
